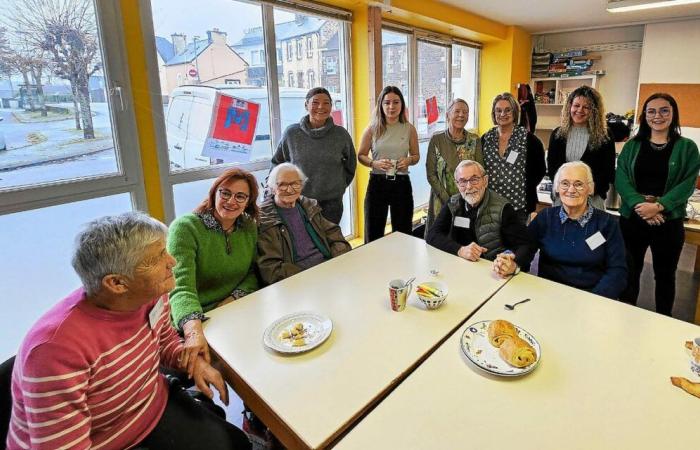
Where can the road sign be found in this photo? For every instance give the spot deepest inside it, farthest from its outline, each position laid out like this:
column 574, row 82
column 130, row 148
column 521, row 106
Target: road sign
column 192, row 72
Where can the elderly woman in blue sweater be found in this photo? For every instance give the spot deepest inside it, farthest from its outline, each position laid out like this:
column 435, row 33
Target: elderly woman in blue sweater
column 580, row 246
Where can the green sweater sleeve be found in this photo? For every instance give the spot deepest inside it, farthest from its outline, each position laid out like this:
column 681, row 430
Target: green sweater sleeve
column 682, row 185
column 182, row 245
column 249, row 284
column 624, row 177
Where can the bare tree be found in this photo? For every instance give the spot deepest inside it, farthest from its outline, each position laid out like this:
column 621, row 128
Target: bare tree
column 67, row 32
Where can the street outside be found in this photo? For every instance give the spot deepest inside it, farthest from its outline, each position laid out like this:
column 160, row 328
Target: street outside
column 60, row 152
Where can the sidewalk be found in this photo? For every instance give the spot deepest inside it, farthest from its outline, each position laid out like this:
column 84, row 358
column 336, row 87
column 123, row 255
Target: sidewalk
column 48, row 151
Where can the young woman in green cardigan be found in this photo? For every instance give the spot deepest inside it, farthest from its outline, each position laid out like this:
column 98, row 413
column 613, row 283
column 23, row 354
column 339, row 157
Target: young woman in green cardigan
column 215, row 248
column 656, row 174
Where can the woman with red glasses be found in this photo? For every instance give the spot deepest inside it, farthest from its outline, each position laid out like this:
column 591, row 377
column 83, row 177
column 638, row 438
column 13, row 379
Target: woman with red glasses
column 656, row 174
column 215, row 250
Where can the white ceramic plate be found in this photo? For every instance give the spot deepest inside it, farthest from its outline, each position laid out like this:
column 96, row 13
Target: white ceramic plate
column 317, row 328
column 476, row 346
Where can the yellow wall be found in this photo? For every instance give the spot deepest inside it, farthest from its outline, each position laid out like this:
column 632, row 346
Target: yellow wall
column 505, row 61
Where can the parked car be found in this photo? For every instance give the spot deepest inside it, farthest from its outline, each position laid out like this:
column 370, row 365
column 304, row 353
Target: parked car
column 191, row 110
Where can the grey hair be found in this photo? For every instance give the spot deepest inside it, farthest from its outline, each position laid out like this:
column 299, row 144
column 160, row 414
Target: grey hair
column 274, row 173
column 514, row 105
column 453, row 103
column 468, row 163
column 114, row 245
column 573, row 165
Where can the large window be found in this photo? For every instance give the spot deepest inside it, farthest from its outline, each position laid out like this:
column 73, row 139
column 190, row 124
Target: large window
column 430, row 71
column 68, row 146
column 275, row 84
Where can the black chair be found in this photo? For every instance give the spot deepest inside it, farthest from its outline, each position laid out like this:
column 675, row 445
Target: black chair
column 5, row 398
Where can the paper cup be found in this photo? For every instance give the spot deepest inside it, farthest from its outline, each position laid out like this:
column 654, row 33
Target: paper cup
column 398, row 294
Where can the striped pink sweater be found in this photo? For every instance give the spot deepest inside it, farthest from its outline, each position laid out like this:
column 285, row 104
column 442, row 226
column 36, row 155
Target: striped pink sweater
column 86, row 377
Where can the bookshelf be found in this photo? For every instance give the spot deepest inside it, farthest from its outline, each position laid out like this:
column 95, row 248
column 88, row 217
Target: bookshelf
column 548, row 113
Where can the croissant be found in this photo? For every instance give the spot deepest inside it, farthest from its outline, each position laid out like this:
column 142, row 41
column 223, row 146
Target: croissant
column 687, row 385
column 517, row 352
column 499, row 331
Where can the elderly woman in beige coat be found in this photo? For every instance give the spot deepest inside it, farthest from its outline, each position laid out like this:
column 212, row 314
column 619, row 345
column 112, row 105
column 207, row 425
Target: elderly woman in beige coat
column 446, row 150
column 293, row 235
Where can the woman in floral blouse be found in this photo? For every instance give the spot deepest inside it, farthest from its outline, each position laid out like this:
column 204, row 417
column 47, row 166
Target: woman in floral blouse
column 447, row 149
column 513, row 157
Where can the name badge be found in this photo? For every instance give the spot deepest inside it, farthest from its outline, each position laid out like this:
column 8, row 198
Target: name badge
column 512, row 157
column 462, row 222
column 595, row 241
column 155, row 313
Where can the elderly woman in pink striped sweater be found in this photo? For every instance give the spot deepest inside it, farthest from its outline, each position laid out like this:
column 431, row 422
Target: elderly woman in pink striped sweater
column 88, row 372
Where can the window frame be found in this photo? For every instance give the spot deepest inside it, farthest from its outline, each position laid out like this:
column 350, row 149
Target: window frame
column 119, row 97
column 167, row 179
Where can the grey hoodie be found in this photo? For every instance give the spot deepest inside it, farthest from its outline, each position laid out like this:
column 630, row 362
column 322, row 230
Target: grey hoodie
column 326, row 155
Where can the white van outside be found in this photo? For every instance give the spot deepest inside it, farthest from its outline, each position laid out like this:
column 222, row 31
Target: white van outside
column 191, row 110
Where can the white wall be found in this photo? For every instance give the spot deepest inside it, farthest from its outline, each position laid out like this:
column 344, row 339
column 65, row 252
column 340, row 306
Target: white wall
column 670, row 55
column 619, row 85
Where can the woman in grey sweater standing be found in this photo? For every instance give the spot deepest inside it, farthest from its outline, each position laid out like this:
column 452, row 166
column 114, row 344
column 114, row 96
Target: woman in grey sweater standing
column 394, row 146
column 323, row 151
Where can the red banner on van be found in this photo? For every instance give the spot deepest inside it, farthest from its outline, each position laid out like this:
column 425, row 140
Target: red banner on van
column 232, row 129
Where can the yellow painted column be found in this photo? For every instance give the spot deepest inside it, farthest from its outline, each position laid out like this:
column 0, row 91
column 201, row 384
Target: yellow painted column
column 361, row 102
column 504, row 64
column 141, row 100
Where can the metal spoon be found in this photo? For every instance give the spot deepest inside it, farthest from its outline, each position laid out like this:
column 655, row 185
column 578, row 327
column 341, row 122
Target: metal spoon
column 410, row 280
column 512, row 307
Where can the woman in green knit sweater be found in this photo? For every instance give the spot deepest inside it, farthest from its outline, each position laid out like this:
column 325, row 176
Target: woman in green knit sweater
column 215, row 249
column 656, row 174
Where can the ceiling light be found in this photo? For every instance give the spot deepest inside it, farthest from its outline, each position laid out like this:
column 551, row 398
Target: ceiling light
column 616, row 6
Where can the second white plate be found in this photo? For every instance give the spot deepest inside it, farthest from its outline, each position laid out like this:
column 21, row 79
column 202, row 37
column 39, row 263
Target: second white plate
column 476, row 346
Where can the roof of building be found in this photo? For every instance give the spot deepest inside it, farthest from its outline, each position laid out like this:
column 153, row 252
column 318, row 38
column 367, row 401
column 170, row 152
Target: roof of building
column 164, row 48
column 192, row 50
column 283, row 31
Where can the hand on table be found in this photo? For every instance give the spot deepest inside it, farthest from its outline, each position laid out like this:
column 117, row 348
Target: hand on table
column 205, row 375
column 195, row 345
column 504, row 265
column 471, row 252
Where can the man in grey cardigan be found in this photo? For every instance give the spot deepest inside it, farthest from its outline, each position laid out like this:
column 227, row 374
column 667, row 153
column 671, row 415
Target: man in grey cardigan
column 323, row 151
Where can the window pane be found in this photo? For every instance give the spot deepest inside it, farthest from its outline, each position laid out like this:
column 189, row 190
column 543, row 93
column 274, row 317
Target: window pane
column 464, row 78
column 56, row 121
column 395, row 62
column 36, row 271
column 198, row 64
column 310, row 54
column 432, row 83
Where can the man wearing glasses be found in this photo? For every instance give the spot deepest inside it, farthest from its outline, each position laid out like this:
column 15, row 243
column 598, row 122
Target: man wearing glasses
column 479, row 223
column 293, row 234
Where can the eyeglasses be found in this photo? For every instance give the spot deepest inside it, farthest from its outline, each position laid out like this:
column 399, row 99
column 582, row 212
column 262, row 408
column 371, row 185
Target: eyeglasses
column 295, row 185
column 503, row 112
column 239, row 197
column 578, row 185
column 664, row 112
column 464, row 182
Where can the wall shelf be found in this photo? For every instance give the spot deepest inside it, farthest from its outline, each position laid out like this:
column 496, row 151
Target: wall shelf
column 548, row 114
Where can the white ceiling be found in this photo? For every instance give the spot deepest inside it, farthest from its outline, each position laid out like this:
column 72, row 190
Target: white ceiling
column 538, row 16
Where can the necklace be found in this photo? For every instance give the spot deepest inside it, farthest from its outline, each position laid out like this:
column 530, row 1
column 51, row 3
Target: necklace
column 656, row 146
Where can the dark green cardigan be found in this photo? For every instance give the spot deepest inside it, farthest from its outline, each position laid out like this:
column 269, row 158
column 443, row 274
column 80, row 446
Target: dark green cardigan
column 683, row 170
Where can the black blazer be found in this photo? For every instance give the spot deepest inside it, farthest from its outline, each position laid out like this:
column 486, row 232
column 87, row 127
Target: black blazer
column 601, row 161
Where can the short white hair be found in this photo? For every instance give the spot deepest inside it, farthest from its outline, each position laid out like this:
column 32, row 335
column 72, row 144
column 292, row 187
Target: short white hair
column 284, row 167
column 468, row 163
column 574, row 165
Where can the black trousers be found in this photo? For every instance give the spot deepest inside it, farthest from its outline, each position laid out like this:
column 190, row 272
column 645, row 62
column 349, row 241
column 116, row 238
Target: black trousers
column 187, row 424
column 384, row 195
column 332, row 209
column 666, row 242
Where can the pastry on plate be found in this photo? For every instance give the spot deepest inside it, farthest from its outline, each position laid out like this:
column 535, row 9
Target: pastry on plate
column 517, row 352
column 500, row 330
column 687, row 385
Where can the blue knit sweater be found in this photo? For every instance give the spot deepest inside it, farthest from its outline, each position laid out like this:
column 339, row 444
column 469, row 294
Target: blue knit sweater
column 565, row 257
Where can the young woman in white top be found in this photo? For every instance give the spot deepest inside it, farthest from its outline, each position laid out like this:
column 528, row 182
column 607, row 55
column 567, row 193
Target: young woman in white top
column 394, row 146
